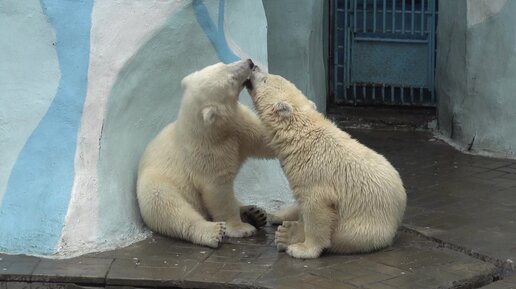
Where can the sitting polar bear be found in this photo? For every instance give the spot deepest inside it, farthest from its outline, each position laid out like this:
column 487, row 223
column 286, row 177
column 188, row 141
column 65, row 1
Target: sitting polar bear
column 349, row 199
column 186, row 174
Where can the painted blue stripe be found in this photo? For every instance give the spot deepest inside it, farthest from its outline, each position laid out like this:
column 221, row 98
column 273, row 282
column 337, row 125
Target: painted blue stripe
column 216, row 35
column 39, row 188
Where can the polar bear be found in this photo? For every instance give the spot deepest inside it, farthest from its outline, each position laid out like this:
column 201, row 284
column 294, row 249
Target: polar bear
column 186, row 174
column 349, row 199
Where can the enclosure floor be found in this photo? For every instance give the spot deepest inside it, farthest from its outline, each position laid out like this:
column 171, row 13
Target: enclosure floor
column 459, row 232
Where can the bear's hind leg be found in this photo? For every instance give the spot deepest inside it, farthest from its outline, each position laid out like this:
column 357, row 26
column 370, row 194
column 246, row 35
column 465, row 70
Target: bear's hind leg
column 352, row 237
column 167, row 212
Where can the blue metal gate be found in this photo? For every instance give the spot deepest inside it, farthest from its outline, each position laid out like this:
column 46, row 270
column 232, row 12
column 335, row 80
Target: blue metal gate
column 384, row 52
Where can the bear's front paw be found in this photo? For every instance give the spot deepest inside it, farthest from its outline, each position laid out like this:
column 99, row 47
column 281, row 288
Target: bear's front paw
column 282, row 238
column 291, row 232
column 239, row 230
column 302, row 251
column 253, row 215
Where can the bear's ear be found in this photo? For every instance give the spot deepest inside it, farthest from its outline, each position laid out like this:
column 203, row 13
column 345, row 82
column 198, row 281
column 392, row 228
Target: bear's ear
column 312, row 104
column 208, row 115
column 283, row 109
column 184, row 82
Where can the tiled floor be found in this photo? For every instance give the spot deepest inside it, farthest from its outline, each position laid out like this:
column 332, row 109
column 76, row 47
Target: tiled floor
column 412, row 262
column 465, row 200
column 466, row 203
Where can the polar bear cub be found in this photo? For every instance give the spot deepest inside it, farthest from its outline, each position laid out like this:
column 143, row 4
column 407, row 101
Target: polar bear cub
column 186, row 174
column 349, row 199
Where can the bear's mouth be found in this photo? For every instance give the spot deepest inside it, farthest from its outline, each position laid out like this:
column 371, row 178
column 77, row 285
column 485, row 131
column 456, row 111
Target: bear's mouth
column 248, row 84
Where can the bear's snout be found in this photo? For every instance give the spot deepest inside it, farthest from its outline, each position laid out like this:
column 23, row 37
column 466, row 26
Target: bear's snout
column 250, row 62
column 248, row 84
column 256, row 68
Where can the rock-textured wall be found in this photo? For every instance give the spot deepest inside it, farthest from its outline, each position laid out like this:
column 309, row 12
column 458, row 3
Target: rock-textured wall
column 476, row 72
column 84, row 86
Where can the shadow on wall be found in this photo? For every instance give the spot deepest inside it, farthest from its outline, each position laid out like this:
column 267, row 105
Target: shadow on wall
column 144, row 99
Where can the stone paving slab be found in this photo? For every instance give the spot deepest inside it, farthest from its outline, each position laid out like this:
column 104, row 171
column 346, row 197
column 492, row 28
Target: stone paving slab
column 412, row 262
column 77, row 270
column 17, row 268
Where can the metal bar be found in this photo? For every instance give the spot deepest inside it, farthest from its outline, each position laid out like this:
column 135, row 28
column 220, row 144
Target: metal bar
column 384, row 14
column 345, row 51
column 421, row 98
column 355, row 15
column 412, row 17
column 402, row 94
column 374, row 15
column 392, row 94
column 364, row 91
column 364, row 7
column 331, row 54
column 399, row 40
column 393, row 30
column 432, row 50
column 348, row 36
column 411, row 95
column 422, row 17
column 374, row 91
column 354, row 93
column 402, row 17
column 383, row 92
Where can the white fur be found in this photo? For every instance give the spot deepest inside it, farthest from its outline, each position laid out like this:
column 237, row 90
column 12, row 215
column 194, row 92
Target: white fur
column 349, row 199
column 186, row 174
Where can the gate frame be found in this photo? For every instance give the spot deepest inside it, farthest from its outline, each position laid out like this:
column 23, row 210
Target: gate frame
column 332, row 99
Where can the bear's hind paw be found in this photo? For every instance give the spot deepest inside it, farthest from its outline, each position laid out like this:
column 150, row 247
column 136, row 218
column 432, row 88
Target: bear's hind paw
column 302, row 251
column 213, row 234
column 239, row 230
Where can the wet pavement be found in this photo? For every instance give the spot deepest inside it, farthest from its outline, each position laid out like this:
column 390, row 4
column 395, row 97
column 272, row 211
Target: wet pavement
column 465, row 201
column 459, row 232
column 412, row 262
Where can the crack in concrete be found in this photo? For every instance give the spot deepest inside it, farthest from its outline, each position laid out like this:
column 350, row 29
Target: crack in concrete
column 504, row 268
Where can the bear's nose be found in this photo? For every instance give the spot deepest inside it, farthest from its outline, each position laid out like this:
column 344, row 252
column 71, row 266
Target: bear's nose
column 250, row 62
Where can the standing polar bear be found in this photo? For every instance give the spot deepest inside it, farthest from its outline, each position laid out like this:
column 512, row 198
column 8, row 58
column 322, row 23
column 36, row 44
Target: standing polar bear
column 186, row 174
column 349, row 199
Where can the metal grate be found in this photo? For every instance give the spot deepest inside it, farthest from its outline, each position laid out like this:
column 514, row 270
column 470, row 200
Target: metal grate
column 384, row 52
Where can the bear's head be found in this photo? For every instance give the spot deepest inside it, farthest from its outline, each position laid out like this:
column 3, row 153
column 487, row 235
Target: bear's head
column 276, row 99
column 213, row 91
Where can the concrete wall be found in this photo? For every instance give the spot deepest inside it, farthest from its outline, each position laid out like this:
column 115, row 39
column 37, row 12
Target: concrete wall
column 84, row 85
column 476, row 72
column 295, row 45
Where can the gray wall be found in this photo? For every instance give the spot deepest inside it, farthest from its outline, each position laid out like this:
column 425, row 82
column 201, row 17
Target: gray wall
column 295, row 45
column 476, row 75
